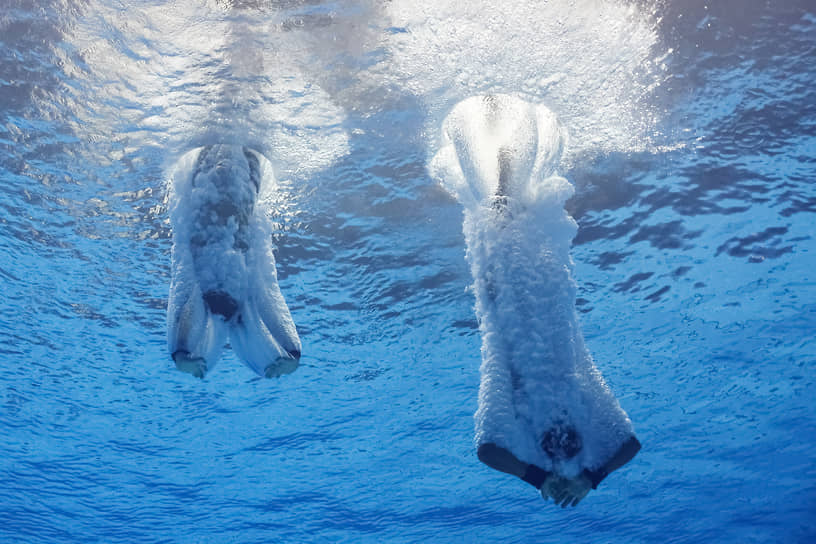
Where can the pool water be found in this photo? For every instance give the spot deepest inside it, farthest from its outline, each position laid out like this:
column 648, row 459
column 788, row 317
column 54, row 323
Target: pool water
column 692, row 148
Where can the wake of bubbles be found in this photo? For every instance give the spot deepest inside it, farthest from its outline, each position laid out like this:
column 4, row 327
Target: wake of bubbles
column 291, row 78
column 169, row 77
column 594, row 63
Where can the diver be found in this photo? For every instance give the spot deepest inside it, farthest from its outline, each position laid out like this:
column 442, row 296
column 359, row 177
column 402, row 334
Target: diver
column 561, row 441
column 545, row 414
column 224, row 283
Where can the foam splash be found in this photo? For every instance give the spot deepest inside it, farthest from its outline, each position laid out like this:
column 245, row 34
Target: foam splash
column 224, row 281
column 597, row 63
column 541, row 396
column 493, row 144
column 161, row 76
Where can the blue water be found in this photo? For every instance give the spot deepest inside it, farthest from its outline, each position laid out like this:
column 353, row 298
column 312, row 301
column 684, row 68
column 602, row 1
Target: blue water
column 693, row 152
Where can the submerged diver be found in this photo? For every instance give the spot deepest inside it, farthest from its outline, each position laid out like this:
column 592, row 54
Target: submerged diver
column 224, row 281
column 545, row 414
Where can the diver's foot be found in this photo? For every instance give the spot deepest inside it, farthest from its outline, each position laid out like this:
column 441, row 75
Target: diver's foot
column 283, row 365
column 191, row 365
column 566, row 491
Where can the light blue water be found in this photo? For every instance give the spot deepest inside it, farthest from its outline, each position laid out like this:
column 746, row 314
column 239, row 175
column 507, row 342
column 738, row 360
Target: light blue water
column 694, row 260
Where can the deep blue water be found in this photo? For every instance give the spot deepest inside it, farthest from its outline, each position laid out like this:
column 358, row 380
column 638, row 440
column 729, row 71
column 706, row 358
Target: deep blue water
column 693, row 151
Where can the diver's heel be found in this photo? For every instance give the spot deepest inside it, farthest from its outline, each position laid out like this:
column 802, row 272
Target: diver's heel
column 269, row 345
column 283, row 365
column 190, row 364
column 195, row 337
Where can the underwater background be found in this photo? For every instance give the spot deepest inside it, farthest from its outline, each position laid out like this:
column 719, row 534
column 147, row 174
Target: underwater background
column 692, row 147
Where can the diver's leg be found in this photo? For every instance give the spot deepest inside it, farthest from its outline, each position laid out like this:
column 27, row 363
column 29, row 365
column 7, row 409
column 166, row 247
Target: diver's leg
column 258, row 345
column 195, row 337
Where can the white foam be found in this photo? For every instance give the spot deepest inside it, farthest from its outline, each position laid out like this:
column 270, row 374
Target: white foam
column 161, row 76
column 594, row 62
column 481, row 129
column 536, row 371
